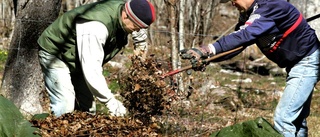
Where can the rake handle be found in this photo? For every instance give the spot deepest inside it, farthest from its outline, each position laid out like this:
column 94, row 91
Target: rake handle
column 207, row 60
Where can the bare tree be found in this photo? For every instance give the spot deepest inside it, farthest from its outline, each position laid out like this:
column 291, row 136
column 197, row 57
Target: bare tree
column 199, row 18
column 171, row 4
column 71, row 4
column 181, row 39
column 6, row 19
column 22, row 81
column 196, row 21
column 181, row 23
column 172, row 10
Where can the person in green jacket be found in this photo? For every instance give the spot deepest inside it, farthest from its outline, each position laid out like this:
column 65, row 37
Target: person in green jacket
column 75, row 46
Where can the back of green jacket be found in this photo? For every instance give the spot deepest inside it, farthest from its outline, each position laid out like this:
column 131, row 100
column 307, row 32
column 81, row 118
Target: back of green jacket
column 60, row 37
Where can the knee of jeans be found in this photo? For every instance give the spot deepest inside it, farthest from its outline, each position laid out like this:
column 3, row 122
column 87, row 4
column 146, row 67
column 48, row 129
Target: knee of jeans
column 278, row 114
column 283, row 124
column 62, row 107
column 277, row 123
column 278, row 119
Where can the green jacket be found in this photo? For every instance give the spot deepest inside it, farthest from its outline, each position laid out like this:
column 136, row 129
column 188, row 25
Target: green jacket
column 60, row 37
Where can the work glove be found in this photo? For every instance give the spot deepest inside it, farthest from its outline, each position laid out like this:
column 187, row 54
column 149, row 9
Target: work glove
column 140, row 42
column 115, row 107
column 197, row 56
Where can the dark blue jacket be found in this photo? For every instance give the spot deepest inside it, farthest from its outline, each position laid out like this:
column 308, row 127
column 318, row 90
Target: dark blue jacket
column 272, row 18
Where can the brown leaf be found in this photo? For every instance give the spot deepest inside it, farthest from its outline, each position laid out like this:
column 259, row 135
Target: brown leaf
column 137, row 87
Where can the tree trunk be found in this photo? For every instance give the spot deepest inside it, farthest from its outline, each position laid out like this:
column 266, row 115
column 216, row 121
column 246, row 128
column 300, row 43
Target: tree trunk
column 196, row 21
column 6, row 20
column 22, row 81
column 171, row 4
column 181, row 40
column 181, row 24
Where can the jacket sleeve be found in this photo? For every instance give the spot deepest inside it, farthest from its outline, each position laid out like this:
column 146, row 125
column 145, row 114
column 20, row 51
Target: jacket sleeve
column 90, row 39
column 256, row 26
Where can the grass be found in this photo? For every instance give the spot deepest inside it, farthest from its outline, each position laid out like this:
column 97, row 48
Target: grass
column 3, row 58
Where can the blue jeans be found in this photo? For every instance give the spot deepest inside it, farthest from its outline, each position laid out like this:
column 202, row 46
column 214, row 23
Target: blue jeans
column 294, row 105
column 67, row 91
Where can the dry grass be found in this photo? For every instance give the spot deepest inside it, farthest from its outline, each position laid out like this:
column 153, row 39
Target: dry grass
column 240, row 102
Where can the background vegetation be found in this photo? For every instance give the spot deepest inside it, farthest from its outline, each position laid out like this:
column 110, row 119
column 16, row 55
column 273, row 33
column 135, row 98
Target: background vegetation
column 221, row 96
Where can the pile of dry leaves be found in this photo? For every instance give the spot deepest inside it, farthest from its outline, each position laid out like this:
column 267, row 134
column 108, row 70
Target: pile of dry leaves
column 145, row 95
column 98, row 125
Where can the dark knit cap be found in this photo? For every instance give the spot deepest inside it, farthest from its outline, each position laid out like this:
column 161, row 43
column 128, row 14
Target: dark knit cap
column 141, row 12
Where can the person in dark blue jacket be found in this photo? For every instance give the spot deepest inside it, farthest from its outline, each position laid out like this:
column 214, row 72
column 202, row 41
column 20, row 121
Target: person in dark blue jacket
column 284, row 36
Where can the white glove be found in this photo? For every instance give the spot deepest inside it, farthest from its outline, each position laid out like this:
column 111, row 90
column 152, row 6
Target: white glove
column 139, row 36
column 115, row 107
column 140, row 40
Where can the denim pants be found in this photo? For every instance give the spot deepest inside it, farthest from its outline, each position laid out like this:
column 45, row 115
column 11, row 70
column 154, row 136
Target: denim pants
column 67, row 91
column 294, row 105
